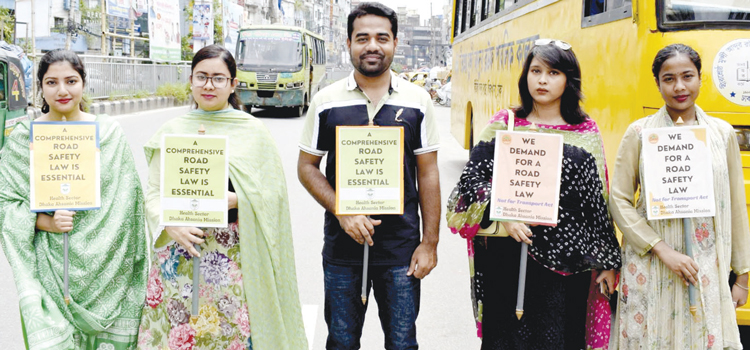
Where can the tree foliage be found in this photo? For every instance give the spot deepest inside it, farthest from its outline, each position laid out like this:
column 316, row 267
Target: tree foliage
column 8, row 22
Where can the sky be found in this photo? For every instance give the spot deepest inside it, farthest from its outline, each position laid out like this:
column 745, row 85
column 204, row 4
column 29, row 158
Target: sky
column 422, row 5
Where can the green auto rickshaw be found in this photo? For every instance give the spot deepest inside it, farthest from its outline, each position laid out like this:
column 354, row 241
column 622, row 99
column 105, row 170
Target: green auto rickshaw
column 12, row 94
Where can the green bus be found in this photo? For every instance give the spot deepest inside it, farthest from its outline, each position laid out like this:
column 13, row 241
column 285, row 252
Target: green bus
column 12, row 94
column 279, row 66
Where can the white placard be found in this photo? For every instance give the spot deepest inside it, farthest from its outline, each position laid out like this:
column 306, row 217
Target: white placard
column 678, row 174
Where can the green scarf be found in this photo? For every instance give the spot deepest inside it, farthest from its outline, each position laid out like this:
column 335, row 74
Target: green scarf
column 266, row 250
column 108, row 252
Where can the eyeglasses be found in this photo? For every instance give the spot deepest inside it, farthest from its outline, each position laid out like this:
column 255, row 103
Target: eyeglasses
column 217, row 81
column 559, row 43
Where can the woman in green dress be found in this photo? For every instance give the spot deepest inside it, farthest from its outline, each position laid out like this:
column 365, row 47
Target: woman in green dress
column 248, row 286
column 107, row 249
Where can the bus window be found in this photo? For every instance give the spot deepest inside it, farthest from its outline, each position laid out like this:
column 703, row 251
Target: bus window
column 597, row 12
column 594, row 7
column 270, row 50
column 499, row 5
column 456, row 17
column 472, row 13
column 686, row 14
column 486, row 6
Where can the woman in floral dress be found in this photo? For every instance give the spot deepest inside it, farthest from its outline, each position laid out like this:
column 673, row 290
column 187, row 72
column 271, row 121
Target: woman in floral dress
column 654, row 307
column 248, row 289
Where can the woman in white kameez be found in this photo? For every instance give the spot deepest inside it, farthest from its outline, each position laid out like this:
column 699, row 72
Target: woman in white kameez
column 654, row 307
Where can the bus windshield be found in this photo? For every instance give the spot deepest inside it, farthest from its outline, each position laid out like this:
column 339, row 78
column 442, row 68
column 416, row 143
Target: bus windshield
column 717, row 12
column 270, row 51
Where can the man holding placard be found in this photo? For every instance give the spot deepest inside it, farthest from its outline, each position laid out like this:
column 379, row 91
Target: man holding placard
column 373, row 170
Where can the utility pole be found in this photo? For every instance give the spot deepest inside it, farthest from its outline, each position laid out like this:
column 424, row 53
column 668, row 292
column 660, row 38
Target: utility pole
column 132, row 32
column 71, row 24
column 104, row 27
column 432, row 42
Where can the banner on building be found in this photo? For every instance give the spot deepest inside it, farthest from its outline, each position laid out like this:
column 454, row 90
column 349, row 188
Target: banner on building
column 232, row 24
column 164, row 29
column 203, row 23
column 140, row 6
column 118, row 8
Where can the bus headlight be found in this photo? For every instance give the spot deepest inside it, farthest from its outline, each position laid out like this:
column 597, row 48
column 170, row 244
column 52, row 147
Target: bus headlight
column 743, row 137
column 243, row 84
column 295, row 85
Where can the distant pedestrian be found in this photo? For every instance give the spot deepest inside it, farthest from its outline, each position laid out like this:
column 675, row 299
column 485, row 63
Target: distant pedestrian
column 654, row 307
column 399, row 257
column 107, row 254
column 248, row 286
column 569, row 264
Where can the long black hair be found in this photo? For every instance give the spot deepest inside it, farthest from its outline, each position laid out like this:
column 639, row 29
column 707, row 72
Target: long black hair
column 214, row 51
column 566, row 62
column 673, row 50
column 55, row 56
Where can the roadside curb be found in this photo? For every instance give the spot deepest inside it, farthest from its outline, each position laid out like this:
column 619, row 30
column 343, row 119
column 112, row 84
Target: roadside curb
column 122, row 107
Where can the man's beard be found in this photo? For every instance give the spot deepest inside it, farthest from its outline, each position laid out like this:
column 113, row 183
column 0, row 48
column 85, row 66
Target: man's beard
column 372, row 71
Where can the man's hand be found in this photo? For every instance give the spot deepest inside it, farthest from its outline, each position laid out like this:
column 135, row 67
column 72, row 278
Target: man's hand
column 423, row 260
column 359, row 227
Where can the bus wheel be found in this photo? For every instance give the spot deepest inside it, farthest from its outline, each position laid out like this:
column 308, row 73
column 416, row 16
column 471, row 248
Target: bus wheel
column 248, row 108
column 299, row 110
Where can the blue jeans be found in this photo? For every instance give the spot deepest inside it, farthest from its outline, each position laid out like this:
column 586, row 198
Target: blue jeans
column 397, row 296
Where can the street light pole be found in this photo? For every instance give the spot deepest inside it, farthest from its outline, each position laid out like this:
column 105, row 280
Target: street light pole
column 69, row 35
column 104, row 28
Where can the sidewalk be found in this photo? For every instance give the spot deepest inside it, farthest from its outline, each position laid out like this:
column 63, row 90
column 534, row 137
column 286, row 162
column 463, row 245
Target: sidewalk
column 121, row 107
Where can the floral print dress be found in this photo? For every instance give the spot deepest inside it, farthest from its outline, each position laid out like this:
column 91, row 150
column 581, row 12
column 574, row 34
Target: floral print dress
column 653, row 309
column 223, row 321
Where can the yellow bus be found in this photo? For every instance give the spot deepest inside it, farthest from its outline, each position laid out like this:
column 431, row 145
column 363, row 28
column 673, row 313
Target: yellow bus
column 615, row 41
column 279, row 66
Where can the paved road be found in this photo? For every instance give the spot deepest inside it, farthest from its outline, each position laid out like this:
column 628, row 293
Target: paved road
column 445, row 320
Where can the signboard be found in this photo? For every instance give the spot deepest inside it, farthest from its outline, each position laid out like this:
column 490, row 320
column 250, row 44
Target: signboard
column 203, row 23
column 270, row 34
column 65, row 166
column 678, row 174
column 164, row 30
column 731, row 71
column 232, row 24
column 194, row 181
column 369, row 170
column 118, row 8
column 526, row 177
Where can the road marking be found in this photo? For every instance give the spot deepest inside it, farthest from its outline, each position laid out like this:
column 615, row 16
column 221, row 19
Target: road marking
column 310, row 318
